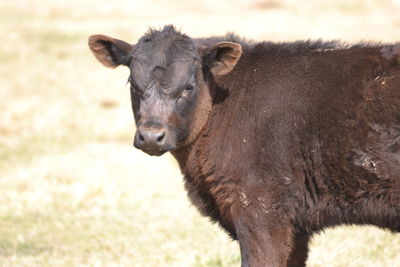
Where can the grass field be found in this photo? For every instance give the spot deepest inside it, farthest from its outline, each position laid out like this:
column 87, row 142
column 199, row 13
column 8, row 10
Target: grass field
column 73, row 191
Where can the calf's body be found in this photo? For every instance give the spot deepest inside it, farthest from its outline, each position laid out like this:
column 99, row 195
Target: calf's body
column 294, row 138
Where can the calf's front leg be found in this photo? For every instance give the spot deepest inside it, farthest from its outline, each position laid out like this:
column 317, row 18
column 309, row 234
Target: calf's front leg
column 265, row 240
column 299, row 253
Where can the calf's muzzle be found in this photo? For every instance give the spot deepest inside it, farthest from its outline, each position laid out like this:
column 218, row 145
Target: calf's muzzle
column 153, row 138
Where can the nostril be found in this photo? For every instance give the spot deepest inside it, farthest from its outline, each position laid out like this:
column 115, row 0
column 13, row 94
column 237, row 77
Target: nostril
column 141, row 138
column 161, row 137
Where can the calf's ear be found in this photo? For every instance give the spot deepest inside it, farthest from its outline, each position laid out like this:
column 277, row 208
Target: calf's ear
column 222, row 57
column 109, row 51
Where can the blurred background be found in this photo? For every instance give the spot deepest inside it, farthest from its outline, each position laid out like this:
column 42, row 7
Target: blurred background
column 74, row 192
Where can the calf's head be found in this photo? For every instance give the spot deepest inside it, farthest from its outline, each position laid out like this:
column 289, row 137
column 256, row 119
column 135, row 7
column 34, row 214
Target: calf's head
column 170, row 76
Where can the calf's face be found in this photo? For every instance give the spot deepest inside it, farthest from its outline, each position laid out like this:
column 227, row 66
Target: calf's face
column 171, row 98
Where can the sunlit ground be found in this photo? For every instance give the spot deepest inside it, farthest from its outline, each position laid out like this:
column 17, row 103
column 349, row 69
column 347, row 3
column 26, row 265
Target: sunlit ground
column 73, row 191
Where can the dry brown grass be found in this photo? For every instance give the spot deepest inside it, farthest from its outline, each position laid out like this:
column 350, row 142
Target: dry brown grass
column 74, row 192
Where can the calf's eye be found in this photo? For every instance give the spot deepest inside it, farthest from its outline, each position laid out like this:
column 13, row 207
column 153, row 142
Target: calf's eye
column 189, row 87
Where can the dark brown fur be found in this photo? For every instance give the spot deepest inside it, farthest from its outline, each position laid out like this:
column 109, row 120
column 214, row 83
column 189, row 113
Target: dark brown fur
column 301, row 136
